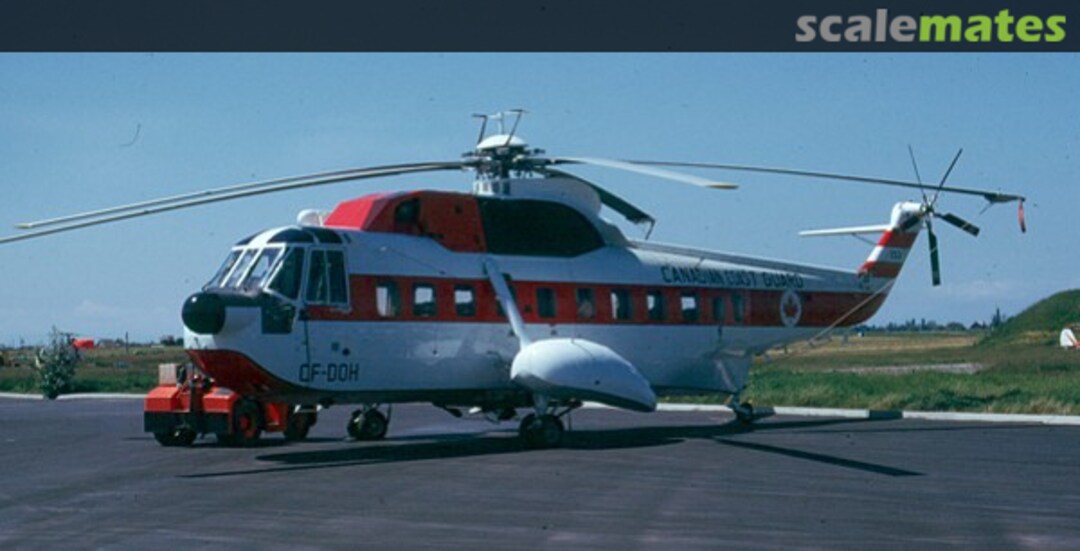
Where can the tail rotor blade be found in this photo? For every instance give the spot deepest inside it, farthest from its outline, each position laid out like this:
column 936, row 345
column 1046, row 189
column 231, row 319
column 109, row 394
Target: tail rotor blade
column 935, row 262
column 960, row 223
column 918, row 177
column 945, row 177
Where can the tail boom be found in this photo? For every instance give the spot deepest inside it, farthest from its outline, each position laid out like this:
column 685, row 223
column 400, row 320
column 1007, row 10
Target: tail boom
column 892, row 249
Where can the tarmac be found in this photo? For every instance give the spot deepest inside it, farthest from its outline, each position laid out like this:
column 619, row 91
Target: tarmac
column 80, row 473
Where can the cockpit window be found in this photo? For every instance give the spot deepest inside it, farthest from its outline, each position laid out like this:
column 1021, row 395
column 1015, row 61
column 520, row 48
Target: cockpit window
column 288, row 277
column 260, row 269
column 216, row 281
column 316, row 281
column 241, row 267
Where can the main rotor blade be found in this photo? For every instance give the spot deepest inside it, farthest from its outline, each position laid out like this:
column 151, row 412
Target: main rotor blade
column 991, row 196
column 649, row 171
column 608, row 199
column 293, row 183
column 935, row 262
column 205, row 193
column 960, row 223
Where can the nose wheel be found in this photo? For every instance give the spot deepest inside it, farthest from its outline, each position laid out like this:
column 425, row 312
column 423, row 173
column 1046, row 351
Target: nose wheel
column 368, row 424
column 178, row 436
column 301, row 419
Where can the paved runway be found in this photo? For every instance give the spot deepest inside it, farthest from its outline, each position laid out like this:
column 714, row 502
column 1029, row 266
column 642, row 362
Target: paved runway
column 81, row 474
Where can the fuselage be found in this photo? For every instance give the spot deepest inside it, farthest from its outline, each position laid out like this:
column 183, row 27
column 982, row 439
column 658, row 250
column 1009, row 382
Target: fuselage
column 389, row 301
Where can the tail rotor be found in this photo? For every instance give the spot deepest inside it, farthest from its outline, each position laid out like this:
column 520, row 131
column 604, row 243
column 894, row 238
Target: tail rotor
column 927, row 213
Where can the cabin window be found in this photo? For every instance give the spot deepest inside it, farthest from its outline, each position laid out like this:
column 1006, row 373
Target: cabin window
column 465, row 301
column 545, row 302
column 654, row 303
column 423, row 300
column 327, row 279
column 718, row 312
column 586, row 304
column 387, row 299
column 621, row 307
column 738, row 308
column 689, row 303
column 287, row 280
column 536, row 228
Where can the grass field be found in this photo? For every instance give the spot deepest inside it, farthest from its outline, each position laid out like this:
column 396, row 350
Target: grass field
column 1022, row 378
column 100, row 370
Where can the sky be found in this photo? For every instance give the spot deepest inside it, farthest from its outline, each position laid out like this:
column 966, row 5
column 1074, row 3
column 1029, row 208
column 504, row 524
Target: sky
column 84, row 131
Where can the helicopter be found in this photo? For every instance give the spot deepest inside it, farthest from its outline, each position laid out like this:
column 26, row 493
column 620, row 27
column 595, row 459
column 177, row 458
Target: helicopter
column 517, row 295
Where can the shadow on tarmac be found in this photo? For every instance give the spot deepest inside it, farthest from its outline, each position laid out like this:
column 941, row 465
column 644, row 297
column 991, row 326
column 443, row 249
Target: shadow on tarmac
column 449, row 446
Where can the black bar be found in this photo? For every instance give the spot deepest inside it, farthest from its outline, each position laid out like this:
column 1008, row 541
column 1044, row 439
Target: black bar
column 487, row 25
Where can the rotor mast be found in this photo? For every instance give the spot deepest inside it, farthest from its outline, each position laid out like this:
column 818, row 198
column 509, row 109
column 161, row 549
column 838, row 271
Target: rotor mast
column 503, row 155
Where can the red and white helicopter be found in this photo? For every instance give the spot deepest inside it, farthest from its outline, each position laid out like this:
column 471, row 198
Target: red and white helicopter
column 515, row 296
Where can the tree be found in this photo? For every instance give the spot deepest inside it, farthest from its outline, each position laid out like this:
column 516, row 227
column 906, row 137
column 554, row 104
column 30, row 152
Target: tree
column 997, row 320
column 55, row 364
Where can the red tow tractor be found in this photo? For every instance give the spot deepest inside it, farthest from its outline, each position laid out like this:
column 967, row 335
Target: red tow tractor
column 187, row 403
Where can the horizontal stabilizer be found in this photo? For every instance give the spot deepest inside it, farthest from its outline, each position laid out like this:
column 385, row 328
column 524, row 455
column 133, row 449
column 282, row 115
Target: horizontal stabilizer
column 854, row 230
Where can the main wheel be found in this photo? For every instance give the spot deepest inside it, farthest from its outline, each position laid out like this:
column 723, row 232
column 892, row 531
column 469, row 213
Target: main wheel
column 247, row 423
column 744, row 413
column 545, row 431
column 368, row 425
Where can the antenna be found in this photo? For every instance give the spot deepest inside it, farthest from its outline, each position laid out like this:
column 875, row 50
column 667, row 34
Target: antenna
column 483, row 126
column 520, row 113
column 499, row 117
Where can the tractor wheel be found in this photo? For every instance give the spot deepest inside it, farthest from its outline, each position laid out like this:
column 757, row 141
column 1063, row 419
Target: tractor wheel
column 247, row 422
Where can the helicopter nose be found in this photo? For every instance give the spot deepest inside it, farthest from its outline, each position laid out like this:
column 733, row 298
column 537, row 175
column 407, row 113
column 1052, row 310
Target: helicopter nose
column 204, row 313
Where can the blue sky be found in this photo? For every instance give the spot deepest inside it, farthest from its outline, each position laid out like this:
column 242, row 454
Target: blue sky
column 200, row 121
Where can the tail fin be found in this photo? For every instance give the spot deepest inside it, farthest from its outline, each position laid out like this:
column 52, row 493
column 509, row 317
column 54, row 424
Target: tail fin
column 892, row 249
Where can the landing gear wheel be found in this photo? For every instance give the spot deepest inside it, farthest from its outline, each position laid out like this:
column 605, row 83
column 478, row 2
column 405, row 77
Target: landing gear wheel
column 744, row 413
column 298, row 425
column 545, row 431
column 178, row 436
column 367, row 425
column 247, row 423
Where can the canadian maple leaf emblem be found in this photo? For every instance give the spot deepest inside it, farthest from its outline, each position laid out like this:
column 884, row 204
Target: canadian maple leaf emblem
column 791, row 306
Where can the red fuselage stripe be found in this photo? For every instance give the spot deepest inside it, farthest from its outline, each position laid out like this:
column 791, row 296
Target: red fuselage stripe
column 897, row 239
column 759, row 308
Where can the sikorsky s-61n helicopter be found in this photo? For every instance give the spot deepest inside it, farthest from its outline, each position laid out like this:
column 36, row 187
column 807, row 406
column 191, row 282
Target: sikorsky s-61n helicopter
column 517, row 295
